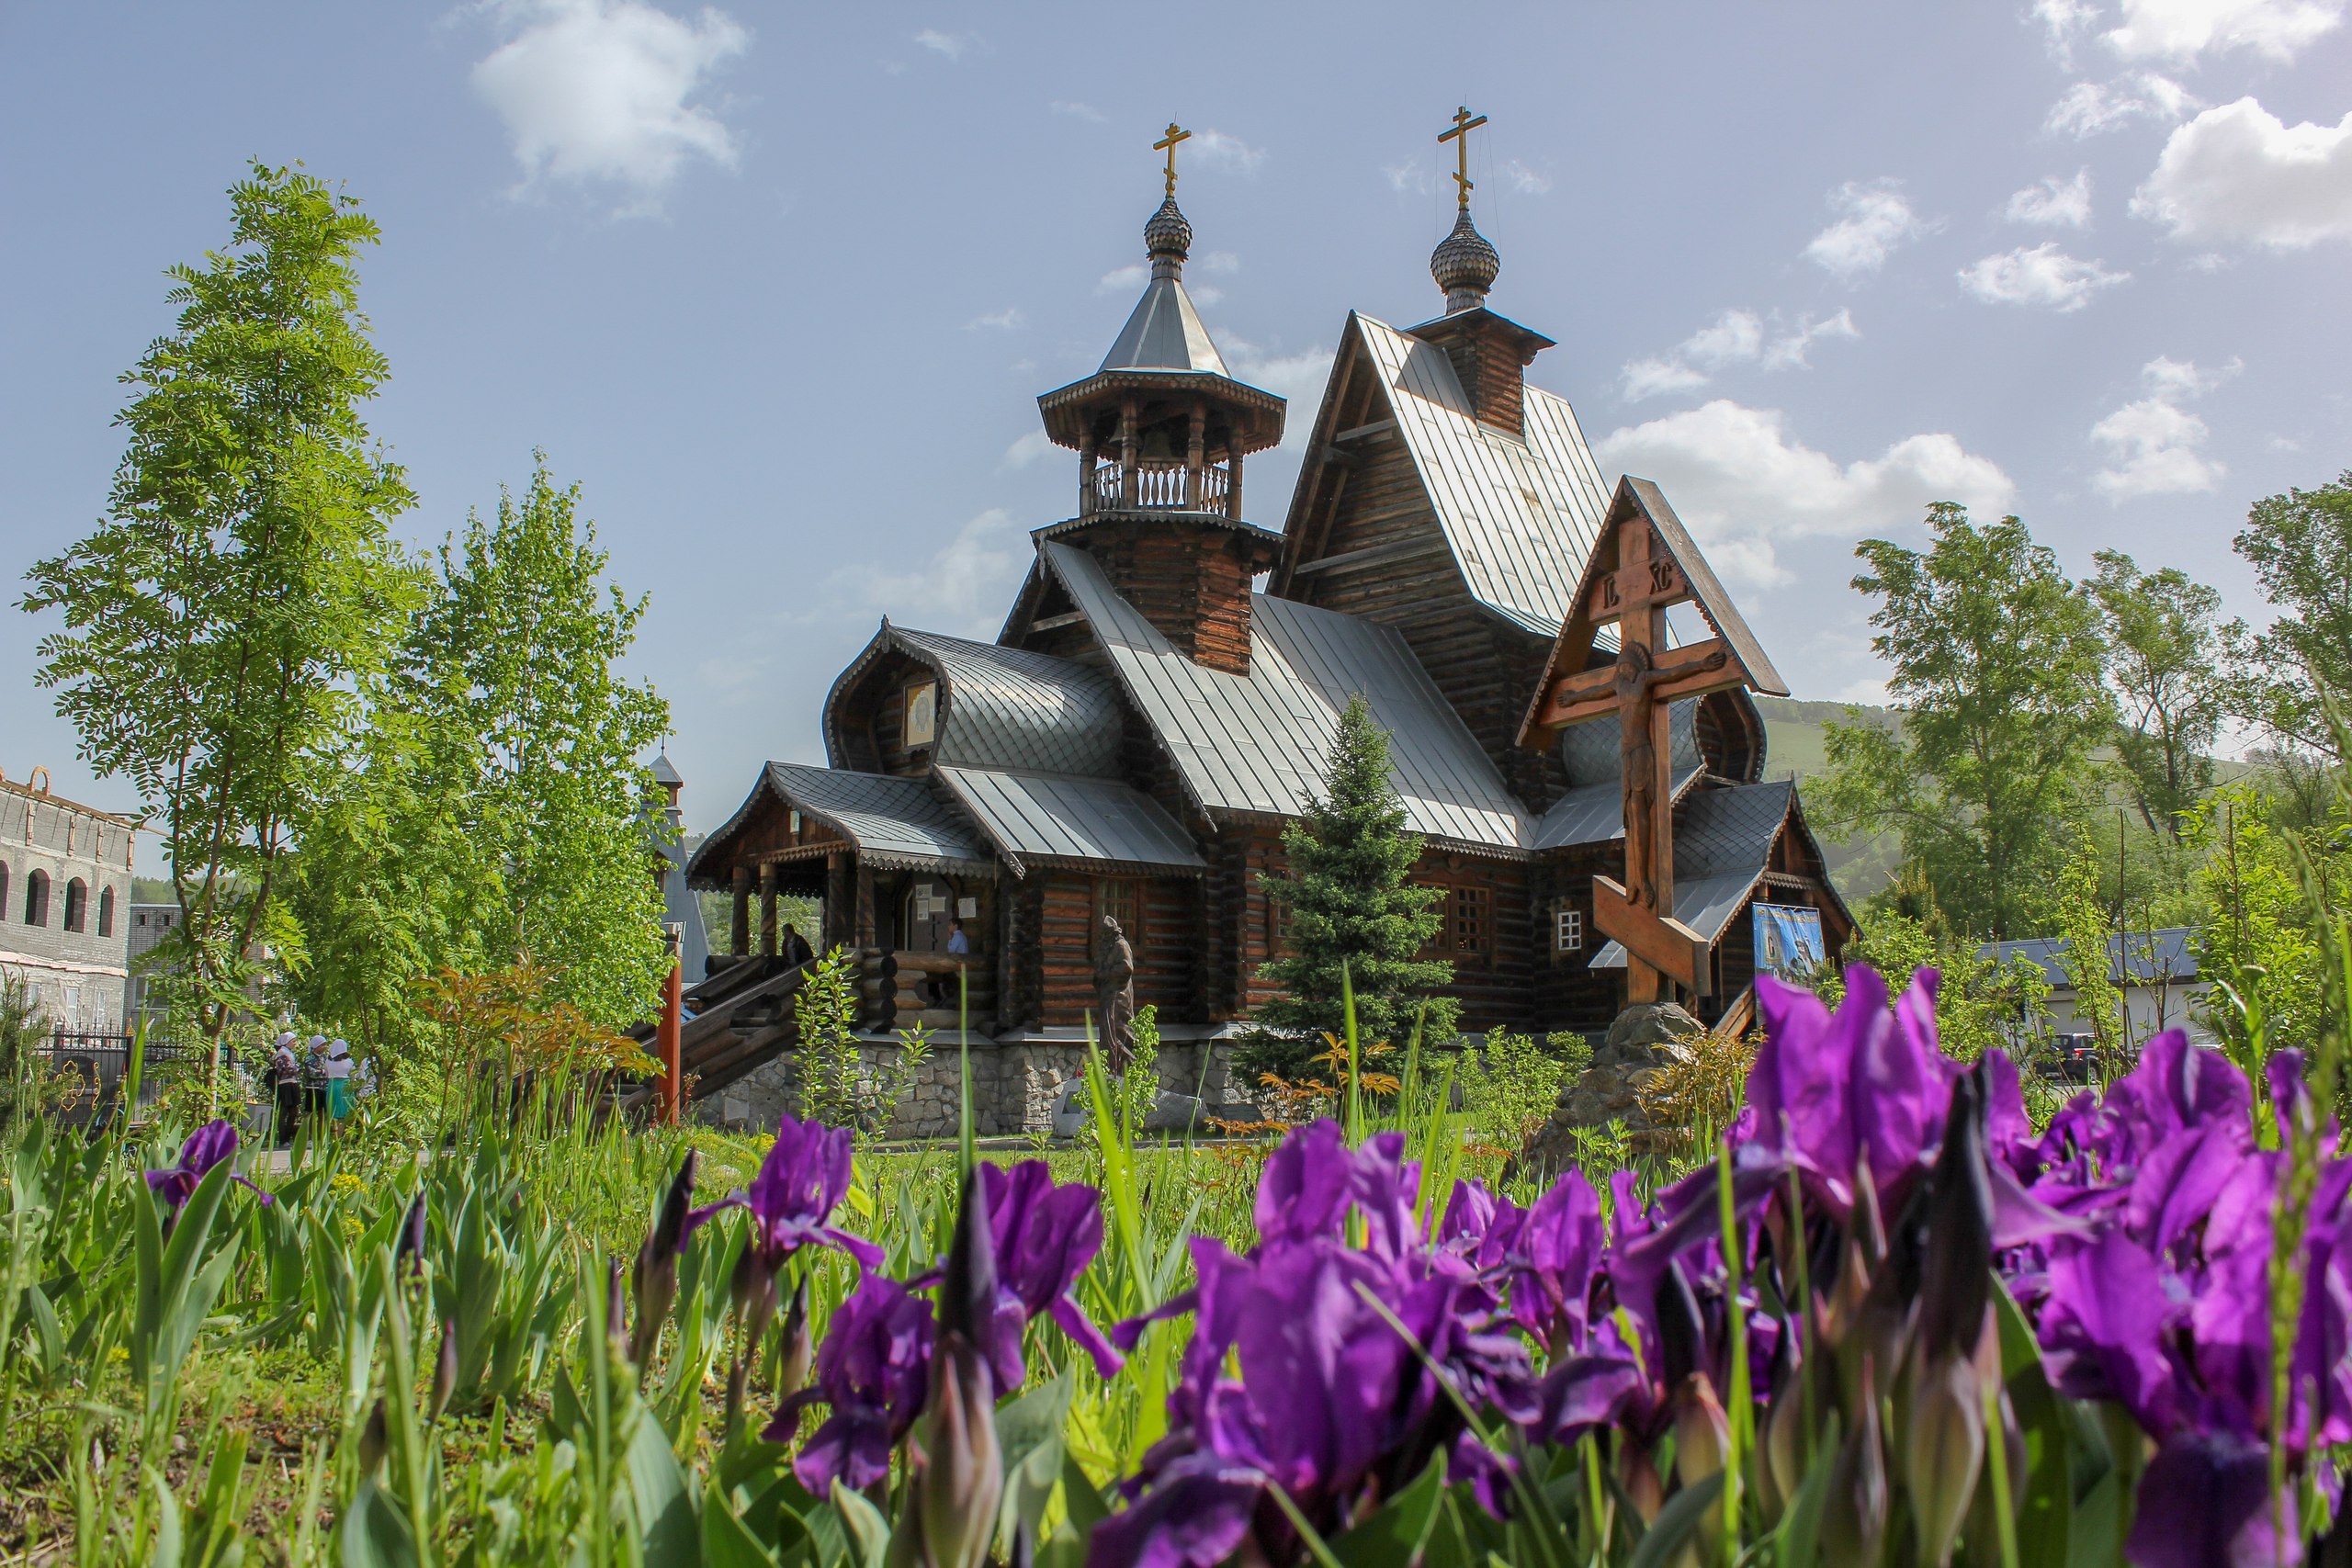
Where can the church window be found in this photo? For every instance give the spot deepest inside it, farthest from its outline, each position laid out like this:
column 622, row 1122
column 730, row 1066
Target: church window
column 1122, row 900
column 37, row 898
column 922, row 714
column 1277, row 923
column 1467, row 927
column 106, row 912
column 77, row 905
column 1567, row 930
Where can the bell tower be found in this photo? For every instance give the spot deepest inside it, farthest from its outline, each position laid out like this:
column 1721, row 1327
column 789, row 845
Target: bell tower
column 1489, row 352
column 1160, row 430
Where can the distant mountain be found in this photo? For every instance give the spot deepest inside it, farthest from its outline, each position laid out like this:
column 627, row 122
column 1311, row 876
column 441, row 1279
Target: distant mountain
column 1795, row 748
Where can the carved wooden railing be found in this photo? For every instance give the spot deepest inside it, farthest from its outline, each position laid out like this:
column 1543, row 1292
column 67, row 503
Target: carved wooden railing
column 1159, row 486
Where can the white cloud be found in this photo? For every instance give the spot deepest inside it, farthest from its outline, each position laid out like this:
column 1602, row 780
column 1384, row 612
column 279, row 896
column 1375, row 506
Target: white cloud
column 598, row 90
column 1875, row 218
column 1524, row 180
column 1123, row 279
column 1407, row 179
column 2041, row 275
column 2238, row 172
column 1739, row 480
column 1216, row 150
column 1219, row 261
column 1076, row 110
column 1002, row 321
column 2183, row 29
column 2152, row 444
column 1207, row 294
column 1028, row 449
column 962, row 587
column 1736, row 337
column 2062, row 22
column 950, row 45
column 1300, row 378
column 2053, row 202
column 2087, row 108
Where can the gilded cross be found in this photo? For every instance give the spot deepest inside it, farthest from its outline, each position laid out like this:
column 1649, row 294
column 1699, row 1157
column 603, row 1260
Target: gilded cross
column 1464, row 123
column 1168, row 144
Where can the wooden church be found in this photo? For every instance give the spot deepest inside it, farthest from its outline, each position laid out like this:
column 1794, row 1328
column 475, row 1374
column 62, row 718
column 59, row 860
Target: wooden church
column 1161, row 699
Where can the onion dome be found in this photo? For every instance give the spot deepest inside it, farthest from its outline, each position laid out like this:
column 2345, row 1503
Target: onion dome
column 1464, row 265
column 1168, row 235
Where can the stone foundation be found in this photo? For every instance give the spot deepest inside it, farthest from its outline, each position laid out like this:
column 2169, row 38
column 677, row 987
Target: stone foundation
column 1019, row 1087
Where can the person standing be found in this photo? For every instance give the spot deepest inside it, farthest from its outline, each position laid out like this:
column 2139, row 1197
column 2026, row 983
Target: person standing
column 336, row 1070
column 286, row 1079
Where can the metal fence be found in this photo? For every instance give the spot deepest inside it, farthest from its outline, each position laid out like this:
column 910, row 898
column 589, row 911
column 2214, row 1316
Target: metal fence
column 98, row 1064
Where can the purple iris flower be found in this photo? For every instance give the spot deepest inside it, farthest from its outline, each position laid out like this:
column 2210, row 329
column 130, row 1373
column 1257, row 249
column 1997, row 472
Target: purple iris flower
column 873, row 1374
column 206, row 1148
column 1555, row 1262
column 1867, row 1086
column 1314, row 1178
column 1045, row 1238
column 801, row 1183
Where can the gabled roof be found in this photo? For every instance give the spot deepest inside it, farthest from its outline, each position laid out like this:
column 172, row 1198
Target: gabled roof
column 1000, row 707
column 893, row 822
column 1164, row 332
column 1520, row 516
column 1594, row 813
column 1045, row 818
column 1722, row 845
column 1256, row 743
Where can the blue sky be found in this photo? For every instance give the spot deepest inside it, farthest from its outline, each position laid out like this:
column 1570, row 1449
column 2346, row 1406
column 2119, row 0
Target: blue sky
column 778, row 284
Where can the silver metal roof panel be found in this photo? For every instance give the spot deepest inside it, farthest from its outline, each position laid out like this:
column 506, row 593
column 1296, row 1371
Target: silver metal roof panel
column 1722, row 842
column 1257, row 742
column 1164, row 332
column 1521, row 515
column 1592, row 814
column 1040, row 817
column 894, row 823
column 1007, row 708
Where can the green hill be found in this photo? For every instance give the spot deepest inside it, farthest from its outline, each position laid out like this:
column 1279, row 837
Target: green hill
column 1795, row 748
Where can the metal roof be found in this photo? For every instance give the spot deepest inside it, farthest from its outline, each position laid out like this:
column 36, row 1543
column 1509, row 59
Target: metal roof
column 1164, row 332
column 666, row 772
column 2165, row 954
column 682, row 908
column 1722, row 842
column 1520, row 514
column 1257, row 742
column 1007, row 708
column 1593, row 813
column 894, row 823
column 1055, row 816
column 1591, row 752
column 1001, row 707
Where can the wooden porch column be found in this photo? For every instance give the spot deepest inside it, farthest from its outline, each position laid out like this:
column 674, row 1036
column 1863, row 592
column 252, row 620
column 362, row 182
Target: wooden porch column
column 1233, row 481
column 1129, row 479
column 1085, row 476
column 767, row 910
column 1193, row 444
column 739, row 928
column 841, row 901
column 865, row 924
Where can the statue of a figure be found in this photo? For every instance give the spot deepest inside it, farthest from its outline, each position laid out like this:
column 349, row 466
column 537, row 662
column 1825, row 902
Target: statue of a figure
column 1115, row 994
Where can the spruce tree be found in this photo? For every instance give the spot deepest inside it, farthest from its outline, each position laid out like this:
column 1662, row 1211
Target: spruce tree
column 1350, row 906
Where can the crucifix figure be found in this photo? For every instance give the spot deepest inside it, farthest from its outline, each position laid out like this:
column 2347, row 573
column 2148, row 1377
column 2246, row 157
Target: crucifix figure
column 1464, row 123
column 1643, row 561
column 1168, row 144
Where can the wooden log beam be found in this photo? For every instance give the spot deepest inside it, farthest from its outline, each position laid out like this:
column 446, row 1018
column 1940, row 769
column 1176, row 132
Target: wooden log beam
column 1690, row 671
column 1665, row 943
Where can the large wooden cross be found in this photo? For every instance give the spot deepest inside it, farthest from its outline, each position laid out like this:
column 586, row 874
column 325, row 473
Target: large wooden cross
column 1168, row 144
column 1643, row 561
column 1465, row 122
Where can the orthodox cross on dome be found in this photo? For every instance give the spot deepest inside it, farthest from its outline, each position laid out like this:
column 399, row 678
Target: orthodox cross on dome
column 1168, row 144
column 1645, row 560
column 1465, row 122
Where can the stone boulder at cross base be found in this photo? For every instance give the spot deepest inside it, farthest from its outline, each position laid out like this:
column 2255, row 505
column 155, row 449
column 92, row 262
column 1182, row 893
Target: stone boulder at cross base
column 1645, row 1037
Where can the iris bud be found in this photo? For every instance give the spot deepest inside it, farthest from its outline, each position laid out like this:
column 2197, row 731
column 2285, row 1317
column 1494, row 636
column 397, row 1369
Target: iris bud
column 445, row 1371
column 956, row 1473
column 655, row 1278
column 1853, row 1517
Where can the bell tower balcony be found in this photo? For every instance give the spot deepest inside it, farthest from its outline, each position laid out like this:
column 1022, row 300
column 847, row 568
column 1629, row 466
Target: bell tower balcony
column 1160, row 486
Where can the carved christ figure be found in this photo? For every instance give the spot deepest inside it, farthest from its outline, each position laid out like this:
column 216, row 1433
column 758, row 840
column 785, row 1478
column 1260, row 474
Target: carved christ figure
column 1115, row 994
column 1636, row 681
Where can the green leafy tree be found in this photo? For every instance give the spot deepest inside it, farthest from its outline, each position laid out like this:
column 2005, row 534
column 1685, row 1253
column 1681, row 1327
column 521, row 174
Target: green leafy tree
column 2084, row 921
column 2300, row 544
column 1350, row 907
column 1998, row 661
column 2262, row 934
column 508, row 675
column 245, row 579
column 2163, row 669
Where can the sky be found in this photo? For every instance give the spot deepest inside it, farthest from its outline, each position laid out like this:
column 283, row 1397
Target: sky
column 777, row 285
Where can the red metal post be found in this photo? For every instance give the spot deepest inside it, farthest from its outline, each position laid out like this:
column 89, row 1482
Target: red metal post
column 668, row 1038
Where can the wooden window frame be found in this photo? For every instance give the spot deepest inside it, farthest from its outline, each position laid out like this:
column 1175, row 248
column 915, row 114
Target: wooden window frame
column 1470, row 911
column 1567, row 930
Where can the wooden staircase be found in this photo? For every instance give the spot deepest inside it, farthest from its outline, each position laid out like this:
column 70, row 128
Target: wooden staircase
column 742, row 1018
